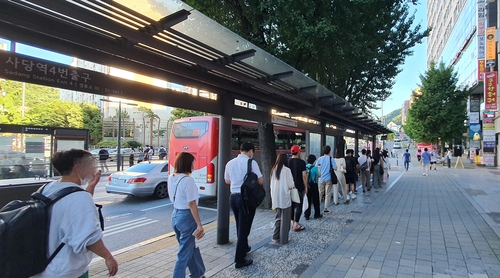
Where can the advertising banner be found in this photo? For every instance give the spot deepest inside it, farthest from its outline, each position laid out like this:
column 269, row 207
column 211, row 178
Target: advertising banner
column 481, row 69
column 490, row 91
column 490, row 44
column 473, row 130
column 481, row 47
column 474, row 118
column 475, row 103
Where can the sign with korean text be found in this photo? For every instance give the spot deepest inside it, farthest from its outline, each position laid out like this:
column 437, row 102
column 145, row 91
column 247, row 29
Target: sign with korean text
column 474, row 118
column 481, row 47
column 490, row 44
column 481, row 69
column 490, row 91
column 283, row 121
column 481, row 10
column 475, row 103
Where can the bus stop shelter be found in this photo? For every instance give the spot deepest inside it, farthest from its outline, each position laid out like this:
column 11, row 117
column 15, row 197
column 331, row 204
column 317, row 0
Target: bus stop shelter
column 169, row 41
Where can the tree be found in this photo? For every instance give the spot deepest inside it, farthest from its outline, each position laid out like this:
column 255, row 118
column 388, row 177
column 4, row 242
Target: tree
column 92, row 121
column 440, row 107
column 56, row 113
column 178, row 113
column 149, row 114
column 352, row 47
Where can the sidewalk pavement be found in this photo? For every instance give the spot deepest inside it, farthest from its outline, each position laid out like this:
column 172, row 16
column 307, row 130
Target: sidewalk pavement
column 414, row 226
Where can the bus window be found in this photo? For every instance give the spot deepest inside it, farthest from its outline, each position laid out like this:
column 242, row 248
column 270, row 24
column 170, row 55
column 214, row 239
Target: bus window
column 190, row 129
column 249, row 134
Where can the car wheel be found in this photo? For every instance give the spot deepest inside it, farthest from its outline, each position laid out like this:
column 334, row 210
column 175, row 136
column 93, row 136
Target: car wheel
column 161, row 190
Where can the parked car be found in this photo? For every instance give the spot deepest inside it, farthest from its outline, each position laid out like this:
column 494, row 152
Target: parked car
column 397, row 145
column 113, row 152
column 143, row 179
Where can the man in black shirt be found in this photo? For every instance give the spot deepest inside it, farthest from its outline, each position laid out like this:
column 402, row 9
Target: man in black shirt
column 298, row 168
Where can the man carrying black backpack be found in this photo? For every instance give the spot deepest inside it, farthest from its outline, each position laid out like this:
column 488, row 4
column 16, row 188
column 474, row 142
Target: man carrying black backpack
column 74, row 219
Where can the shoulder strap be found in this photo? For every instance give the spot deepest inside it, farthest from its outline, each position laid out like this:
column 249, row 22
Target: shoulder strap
column 249, row 166
column 178, row 187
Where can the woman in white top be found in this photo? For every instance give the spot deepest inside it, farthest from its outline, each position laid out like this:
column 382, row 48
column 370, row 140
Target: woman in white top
column 385, row 157
column 186, row 223
column 340, row 161
column 281, row 184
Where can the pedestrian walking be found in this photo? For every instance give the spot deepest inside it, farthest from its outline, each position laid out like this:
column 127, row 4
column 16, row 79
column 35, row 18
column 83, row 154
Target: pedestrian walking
column 426, row 162
column 103, row 157
column 325, row 166
column 364, row 170
column 162, row 153
column 146, row 153
column 313, row 190
column 140, row 156
column 298, row 168
column 350, row 174
column 419, row 155
column 378, row 166
column 131, row 157
column 281, row 184
column 448, row 157
column 434, row 155
column 75, row 218
column 151, row 153
column 385, row 158
column 186, row 223
column 234, row 175
column 406, row 160
column 340, row 172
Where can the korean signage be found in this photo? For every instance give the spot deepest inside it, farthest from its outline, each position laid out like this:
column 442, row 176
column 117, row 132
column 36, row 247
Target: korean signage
column 283, row 121
column 28, row 69
column 481, row 47
column 474, row 118
column 481, row 69
column 490, row 44
column 475, row 103
column 473, row 130
column 490, row 91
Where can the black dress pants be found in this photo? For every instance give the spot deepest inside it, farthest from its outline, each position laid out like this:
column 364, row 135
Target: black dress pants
column 243, row 226
column 313, row 199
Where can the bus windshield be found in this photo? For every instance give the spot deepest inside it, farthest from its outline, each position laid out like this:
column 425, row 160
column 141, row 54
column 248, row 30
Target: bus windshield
column 190, row 129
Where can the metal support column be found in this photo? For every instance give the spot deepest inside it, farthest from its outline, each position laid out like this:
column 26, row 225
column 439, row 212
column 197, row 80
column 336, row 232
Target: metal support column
column 323, row 134
column 356, row 143
column 223, row 191
column 374, row 142
column 118, row 148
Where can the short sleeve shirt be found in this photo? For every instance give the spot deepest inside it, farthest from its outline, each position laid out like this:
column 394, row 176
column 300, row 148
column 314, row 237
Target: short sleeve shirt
column 236, row 169
column 426, row 157
column 406, row 157
column 297, row 166
column 182, row 189
column 324, row 163
column 313, row 172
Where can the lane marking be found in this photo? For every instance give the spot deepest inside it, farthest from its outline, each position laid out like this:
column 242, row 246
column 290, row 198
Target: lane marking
column 130, row 221
column 160, row 206
column 130, row 228
column 119, row 215
column 125, row 225
column 211, row 209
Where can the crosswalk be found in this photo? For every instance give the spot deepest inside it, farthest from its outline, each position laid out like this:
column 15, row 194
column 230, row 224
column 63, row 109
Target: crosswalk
column 128, row 225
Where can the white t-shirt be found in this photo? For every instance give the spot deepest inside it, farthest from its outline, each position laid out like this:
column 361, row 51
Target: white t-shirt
column 433, row 156
column 362, row 159
column 236, row 169
column 74, row 221
column 187, row 190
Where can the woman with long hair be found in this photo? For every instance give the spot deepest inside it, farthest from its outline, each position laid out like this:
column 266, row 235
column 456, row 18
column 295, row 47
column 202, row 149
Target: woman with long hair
column 340, row 161
column 385, row 158
column 186, row 223
column 377, row 163
column 281, row 184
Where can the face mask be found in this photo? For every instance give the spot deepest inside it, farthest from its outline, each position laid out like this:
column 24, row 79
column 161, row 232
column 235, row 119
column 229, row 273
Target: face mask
column 85, row 180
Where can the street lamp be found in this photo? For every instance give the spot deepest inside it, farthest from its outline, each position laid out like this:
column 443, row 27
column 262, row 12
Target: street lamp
column 118, row 148
column 383, row 119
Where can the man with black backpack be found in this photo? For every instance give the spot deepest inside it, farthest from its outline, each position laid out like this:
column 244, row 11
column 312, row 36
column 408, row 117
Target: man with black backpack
column 74, row 230
column 234, row 175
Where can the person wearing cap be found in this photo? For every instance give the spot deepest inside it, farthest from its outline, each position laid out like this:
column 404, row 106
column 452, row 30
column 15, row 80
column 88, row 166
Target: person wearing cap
column 298, row 168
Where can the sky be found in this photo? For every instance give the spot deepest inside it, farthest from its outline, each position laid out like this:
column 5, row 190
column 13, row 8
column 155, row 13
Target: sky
column 408, row 78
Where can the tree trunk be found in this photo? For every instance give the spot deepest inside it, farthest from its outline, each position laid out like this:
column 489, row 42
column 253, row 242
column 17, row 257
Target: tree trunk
column 267, row 157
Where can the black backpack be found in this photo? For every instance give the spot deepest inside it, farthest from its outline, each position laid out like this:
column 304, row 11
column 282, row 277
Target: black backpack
column 24, row 228
column 252, row 193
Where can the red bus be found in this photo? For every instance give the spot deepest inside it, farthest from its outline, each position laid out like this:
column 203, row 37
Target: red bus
column 200, row 137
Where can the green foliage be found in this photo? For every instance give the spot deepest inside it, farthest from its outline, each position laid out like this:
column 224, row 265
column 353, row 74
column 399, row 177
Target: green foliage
column 178, row 113
column 92, row 121
column 148, row 113
column 131, row 144
column 125, row 114
column 107, row 144
column 440, row 110
column 57, row 113
column 352, row 47
column 392, row 115
column 398, row 119
column 391, row 136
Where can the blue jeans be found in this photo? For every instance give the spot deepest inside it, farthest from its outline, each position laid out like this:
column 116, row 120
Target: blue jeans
column 189, row 255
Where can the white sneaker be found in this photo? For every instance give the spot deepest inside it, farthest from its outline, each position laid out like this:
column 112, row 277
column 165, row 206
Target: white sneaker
column 353, row 196
column 423, row 174
column 347, row 197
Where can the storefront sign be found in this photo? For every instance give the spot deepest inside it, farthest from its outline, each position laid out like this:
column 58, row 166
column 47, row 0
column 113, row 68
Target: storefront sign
column 473, row 118
column 481, row 69
column 475, row 103
column 481, row 47
column 490, row 44
column 474, row 129
column 490, row 91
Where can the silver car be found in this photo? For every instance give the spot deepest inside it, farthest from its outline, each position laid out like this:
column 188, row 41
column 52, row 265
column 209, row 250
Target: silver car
column 143, row 179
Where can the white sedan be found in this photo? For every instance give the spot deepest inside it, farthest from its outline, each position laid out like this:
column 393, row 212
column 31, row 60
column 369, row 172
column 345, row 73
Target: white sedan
column 143, row 179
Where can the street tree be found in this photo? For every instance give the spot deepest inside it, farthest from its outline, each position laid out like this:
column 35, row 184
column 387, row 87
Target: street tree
column 179, row 113
column 92, row 120
column 353, row 48
column 149, row 114
column 439, row 108
column 56, row 113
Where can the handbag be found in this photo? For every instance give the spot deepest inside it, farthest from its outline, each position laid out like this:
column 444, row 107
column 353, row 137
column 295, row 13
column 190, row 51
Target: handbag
column 294, row 194
column 332, row 173
column 305, row 204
